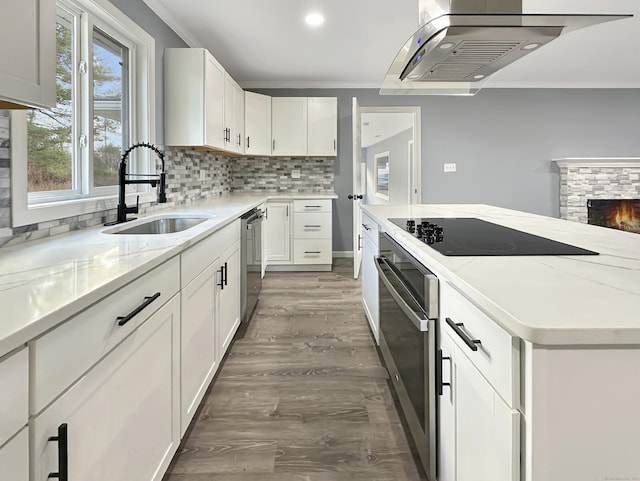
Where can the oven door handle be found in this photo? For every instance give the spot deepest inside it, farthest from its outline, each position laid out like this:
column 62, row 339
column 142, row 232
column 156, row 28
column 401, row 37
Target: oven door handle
column 414, row 313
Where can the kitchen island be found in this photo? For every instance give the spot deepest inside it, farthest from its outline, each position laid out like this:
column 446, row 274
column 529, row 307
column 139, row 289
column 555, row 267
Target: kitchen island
column 551, row 392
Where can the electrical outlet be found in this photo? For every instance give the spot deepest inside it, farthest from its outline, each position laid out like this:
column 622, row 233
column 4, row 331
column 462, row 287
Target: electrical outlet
column 449, row 167
column 295, row 174
column 203, row 174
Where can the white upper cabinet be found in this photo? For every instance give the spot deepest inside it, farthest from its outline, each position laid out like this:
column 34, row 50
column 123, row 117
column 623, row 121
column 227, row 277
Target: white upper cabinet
column 233, row 115
column 289, row 125
column 194, row 85
column 322, row 126
column 28, row 54
column 257, row 124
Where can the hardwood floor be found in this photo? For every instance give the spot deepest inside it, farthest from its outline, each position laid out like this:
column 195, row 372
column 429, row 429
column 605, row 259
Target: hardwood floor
column 302, row 396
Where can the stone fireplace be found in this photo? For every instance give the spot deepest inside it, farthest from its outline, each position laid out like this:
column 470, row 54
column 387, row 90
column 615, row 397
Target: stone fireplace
column 585, row 180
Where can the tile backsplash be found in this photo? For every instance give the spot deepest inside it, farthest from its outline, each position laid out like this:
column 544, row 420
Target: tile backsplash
column 192, row 175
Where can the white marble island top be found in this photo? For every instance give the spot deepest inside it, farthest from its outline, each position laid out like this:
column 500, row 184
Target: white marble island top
column 549, row 300
column 44, row 282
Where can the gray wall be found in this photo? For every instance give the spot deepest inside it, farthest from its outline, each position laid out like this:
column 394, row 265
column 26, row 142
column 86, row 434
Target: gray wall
column 140, row 13
column 502, row 141
column 398, row 148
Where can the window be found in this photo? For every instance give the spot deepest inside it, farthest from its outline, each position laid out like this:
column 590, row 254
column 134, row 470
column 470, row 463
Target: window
column 66, row 158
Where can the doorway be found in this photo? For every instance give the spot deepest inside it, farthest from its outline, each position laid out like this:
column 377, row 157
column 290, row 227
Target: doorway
column 386, row 162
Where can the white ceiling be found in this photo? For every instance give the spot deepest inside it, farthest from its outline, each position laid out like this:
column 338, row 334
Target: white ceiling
column 267, row 44
column 377, row 127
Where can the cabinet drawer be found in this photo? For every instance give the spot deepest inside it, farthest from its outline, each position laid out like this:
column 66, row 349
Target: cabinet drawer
column 64, row 354
column 14, row 394
column 311, row 225
column 312, row 251
column 370, row 228
column 497, row 356
column 14, row 458
column 196, row 258
column 312, row 205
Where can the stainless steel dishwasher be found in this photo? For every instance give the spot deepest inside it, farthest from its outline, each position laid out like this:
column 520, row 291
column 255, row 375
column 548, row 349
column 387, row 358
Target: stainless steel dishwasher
column 251, row 262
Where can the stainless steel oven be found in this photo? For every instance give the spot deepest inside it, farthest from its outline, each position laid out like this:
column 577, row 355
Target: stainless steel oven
column 408, row 318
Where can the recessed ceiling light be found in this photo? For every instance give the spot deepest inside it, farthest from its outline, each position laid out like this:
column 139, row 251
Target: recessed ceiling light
column 314, row 19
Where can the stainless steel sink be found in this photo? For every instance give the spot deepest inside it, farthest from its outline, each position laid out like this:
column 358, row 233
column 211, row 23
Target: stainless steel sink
column 163, row 225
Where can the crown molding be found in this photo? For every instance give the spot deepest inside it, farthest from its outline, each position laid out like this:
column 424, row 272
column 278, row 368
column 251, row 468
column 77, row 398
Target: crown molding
column 598, row 162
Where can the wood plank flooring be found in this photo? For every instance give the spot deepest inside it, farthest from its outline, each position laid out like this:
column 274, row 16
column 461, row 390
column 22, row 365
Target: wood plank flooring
column 302, row 396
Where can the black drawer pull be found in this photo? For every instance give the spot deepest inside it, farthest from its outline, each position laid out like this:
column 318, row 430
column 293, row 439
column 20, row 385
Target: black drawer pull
column 221, row 285
column 457, row 328
column 122, row 320
column 312, row 252
column 311, row 226
column 226, row 274
column 312, row 206
column 366, row 227
column 63, row 457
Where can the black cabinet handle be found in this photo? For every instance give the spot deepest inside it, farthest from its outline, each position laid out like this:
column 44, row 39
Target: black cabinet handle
column 248, row 142
column 312, row 226
column 122, row 320
column 457, row 328
column 273, row 145
column 63, row 454
column 221, row 285
column 312, row 206
column 312, row 252
column 226, row 274
column 366, row 227
column 439, row 384
column 334, row 145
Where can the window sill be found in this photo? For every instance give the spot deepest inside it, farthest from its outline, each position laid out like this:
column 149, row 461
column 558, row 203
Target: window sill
column 33, row 214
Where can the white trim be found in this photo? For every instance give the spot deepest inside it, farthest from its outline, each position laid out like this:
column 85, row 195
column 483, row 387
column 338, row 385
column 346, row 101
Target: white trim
column 598, row 162
column 183, row 32
column 309, row 84
column 346, row 254
column 417, row 138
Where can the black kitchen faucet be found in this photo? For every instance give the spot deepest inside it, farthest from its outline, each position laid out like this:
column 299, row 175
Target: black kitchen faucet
column 123, row 181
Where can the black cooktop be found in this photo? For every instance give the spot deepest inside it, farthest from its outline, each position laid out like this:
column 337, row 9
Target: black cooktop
column 457, row 236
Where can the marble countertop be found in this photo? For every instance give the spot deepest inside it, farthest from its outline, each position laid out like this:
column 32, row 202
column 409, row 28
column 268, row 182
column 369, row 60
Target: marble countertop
column 44, row 282
column 548, row 300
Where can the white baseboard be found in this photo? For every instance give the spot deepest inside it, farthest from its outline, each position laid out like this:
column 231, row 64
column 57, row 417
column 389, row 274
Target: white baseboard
column 342, row 253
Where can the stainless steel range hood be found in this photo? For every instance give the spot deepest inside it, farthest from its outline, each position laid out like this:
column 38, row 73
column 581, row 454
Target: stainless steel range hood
column 461, row 43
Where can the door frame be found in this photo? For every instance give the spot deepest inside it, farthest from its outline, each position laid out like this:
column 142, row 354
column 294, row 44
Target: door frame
column 414, row 172
column 415, row 168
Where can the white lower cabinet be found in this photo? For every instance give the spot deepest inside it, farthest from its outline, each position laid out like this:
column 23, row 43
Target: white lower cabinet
column 278, row 233
column 369, row 274
column 229, row 297
column 121, row 418
column 14, row 458
column 487, row 431
column 198, row 341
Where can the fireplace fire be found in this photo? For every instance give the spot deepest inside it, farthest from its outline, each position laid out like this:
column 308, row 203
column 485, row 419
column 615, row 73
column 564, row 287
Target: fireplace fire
column 622, row 214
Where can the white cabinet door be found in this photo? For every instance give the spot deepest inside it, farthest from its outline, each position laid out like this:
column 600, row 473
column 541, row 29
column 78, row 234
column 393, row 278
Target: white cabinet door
column 229, row 313
column 193, row 98
column 257, row 124
column 370, row 284
column 28, row 54
column 14, row 458
column 322, row 126
column 122, row 417
column 230, row 134
column 487, row 430
column 447, row 424
column 278, row 233
column 289, row 125
column 199, row 360
column 214, row 103
column 238, row 136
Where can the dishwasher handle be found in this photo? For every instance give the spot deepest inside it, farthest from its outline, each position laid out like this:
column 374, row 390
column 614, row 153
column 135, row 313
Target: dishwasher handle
column 414, row 312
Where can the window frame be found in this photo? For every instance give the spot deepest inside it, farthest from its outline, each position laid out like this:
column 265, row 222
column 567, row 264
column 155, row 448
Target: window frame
column 107, row 18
